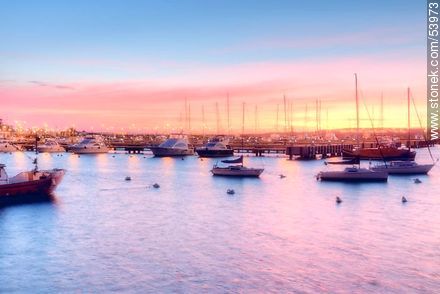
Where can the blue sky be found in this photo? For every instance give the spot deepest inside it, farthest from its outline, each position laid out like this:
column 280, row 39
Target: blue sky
column 237, row 43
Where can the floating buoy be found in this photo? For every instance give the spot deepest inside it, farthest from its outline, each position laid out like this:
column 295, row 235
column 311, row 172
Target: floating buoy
column 127, row 178
column 113, row 156
column 417, row 181
column 183, row 158
column 404, row 199
column 156, row 185
column 230, row 191
column 282, row 176
column 338, row 200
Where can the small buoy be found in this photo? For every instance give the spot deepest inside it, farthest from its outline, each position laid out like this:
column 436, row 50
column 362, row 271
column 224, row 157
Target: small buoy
column 113, row 156
column 156, row 185
column 128, row 178
column 230, row 191
column 201, row 159
column 183, row 158
column 338, row 200
column 417, row 181
column 404, row 199
column 131, row 155
column 79, row 156
column 282, row 176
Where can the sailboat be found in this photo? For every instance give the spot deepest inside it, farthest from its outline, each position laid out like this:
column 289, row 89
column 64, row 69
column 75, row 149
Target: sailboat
column 382, row 152
column 352, row 174
column 405, row 167
column 236, row 169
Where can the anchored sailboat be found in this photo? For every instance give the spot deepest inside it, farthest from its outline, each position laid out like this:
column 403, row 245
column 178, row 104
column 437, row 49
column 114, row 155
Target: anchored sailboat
column 382, row 152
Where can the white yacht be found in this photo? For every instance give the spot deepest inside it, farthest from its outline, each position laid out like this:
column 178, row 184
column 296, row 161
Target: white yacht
column 50, row 145
column 353, row 174
column 403, row 168
column 90, row 145
column 174, row 146
column 6, row 146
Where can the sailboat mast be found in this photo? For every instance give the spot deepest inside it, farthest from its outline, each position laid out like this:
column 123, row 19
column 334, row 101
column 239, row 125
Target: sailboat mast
column 278, row 111
column 227, row 109
column 285, row 115
column 203, row 119
column 381, row 111
column 217, row 117
column 409, row 121
column 189, row 118
column 242, row 127
column 357, row 108
column 256, row 118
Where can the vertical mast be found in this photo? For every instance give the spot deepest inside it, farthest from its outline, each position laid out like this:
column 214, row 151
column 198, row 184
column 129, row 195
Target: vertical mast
column 218, row 117
column 409, row 122
column 189, row 118
column 256, row 118
column 242, row 127
column 291, row 116
column 381, row 111
column 357, row 109
column 285, row 115
column 306, row 118
column 203, row 119
column 227, row 109
column 186, row 115
column 317, row 116
column 278, row 110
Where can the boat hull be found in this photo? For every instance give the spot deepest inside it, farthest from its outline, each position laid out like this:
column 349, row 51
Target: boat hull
column 32, row 190
column 379, row 154
column 220, row 171
column 86, row 150
column 205, row 152
column 42, row 149
column 170, row 152
column 420, row 169
column 337, row 176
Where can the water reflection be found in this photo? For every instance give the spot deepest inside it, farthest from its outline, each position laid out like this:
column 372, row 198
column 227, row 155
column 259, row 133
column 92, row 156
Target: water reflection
column 274, row 235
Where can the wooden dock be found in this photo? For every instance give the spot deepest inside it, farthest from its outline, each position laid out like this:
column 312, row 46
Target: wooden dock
column 311, row 151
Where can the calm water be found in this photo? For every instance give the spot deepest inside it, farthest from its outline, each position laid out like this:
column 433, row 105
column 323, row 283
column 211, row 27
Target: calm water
column 274, row 235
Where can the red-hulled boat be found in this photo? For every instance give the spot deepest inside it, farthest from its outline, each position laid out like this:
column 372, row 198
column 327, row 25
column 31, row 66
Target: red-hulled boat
column 380, row 153
column 29, row 185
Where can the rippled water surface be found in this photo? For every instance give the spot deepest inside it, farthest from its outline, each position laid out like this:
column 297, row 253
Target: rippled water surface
column 274, row 235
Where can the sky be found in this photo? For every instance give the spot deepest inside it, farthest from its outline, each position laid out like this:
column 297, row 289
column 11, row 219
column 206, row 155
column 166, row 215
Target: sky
column 129, row 65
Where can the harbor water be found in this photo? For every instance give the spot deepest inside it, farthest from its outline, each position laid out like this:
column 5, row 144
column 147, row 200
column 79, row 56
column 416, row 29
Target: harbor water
column 102, row 233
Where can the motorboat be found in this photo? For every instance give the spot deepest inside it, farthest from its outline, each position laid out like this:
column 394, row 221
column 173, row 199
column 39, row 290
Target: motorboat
column 353, row 174
column 50, row 145
column 6, row 146
column 403, row 168
column 89, row 145
column 216, row 147
column 174, row 146
column 28, row 185
column 236, row 169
